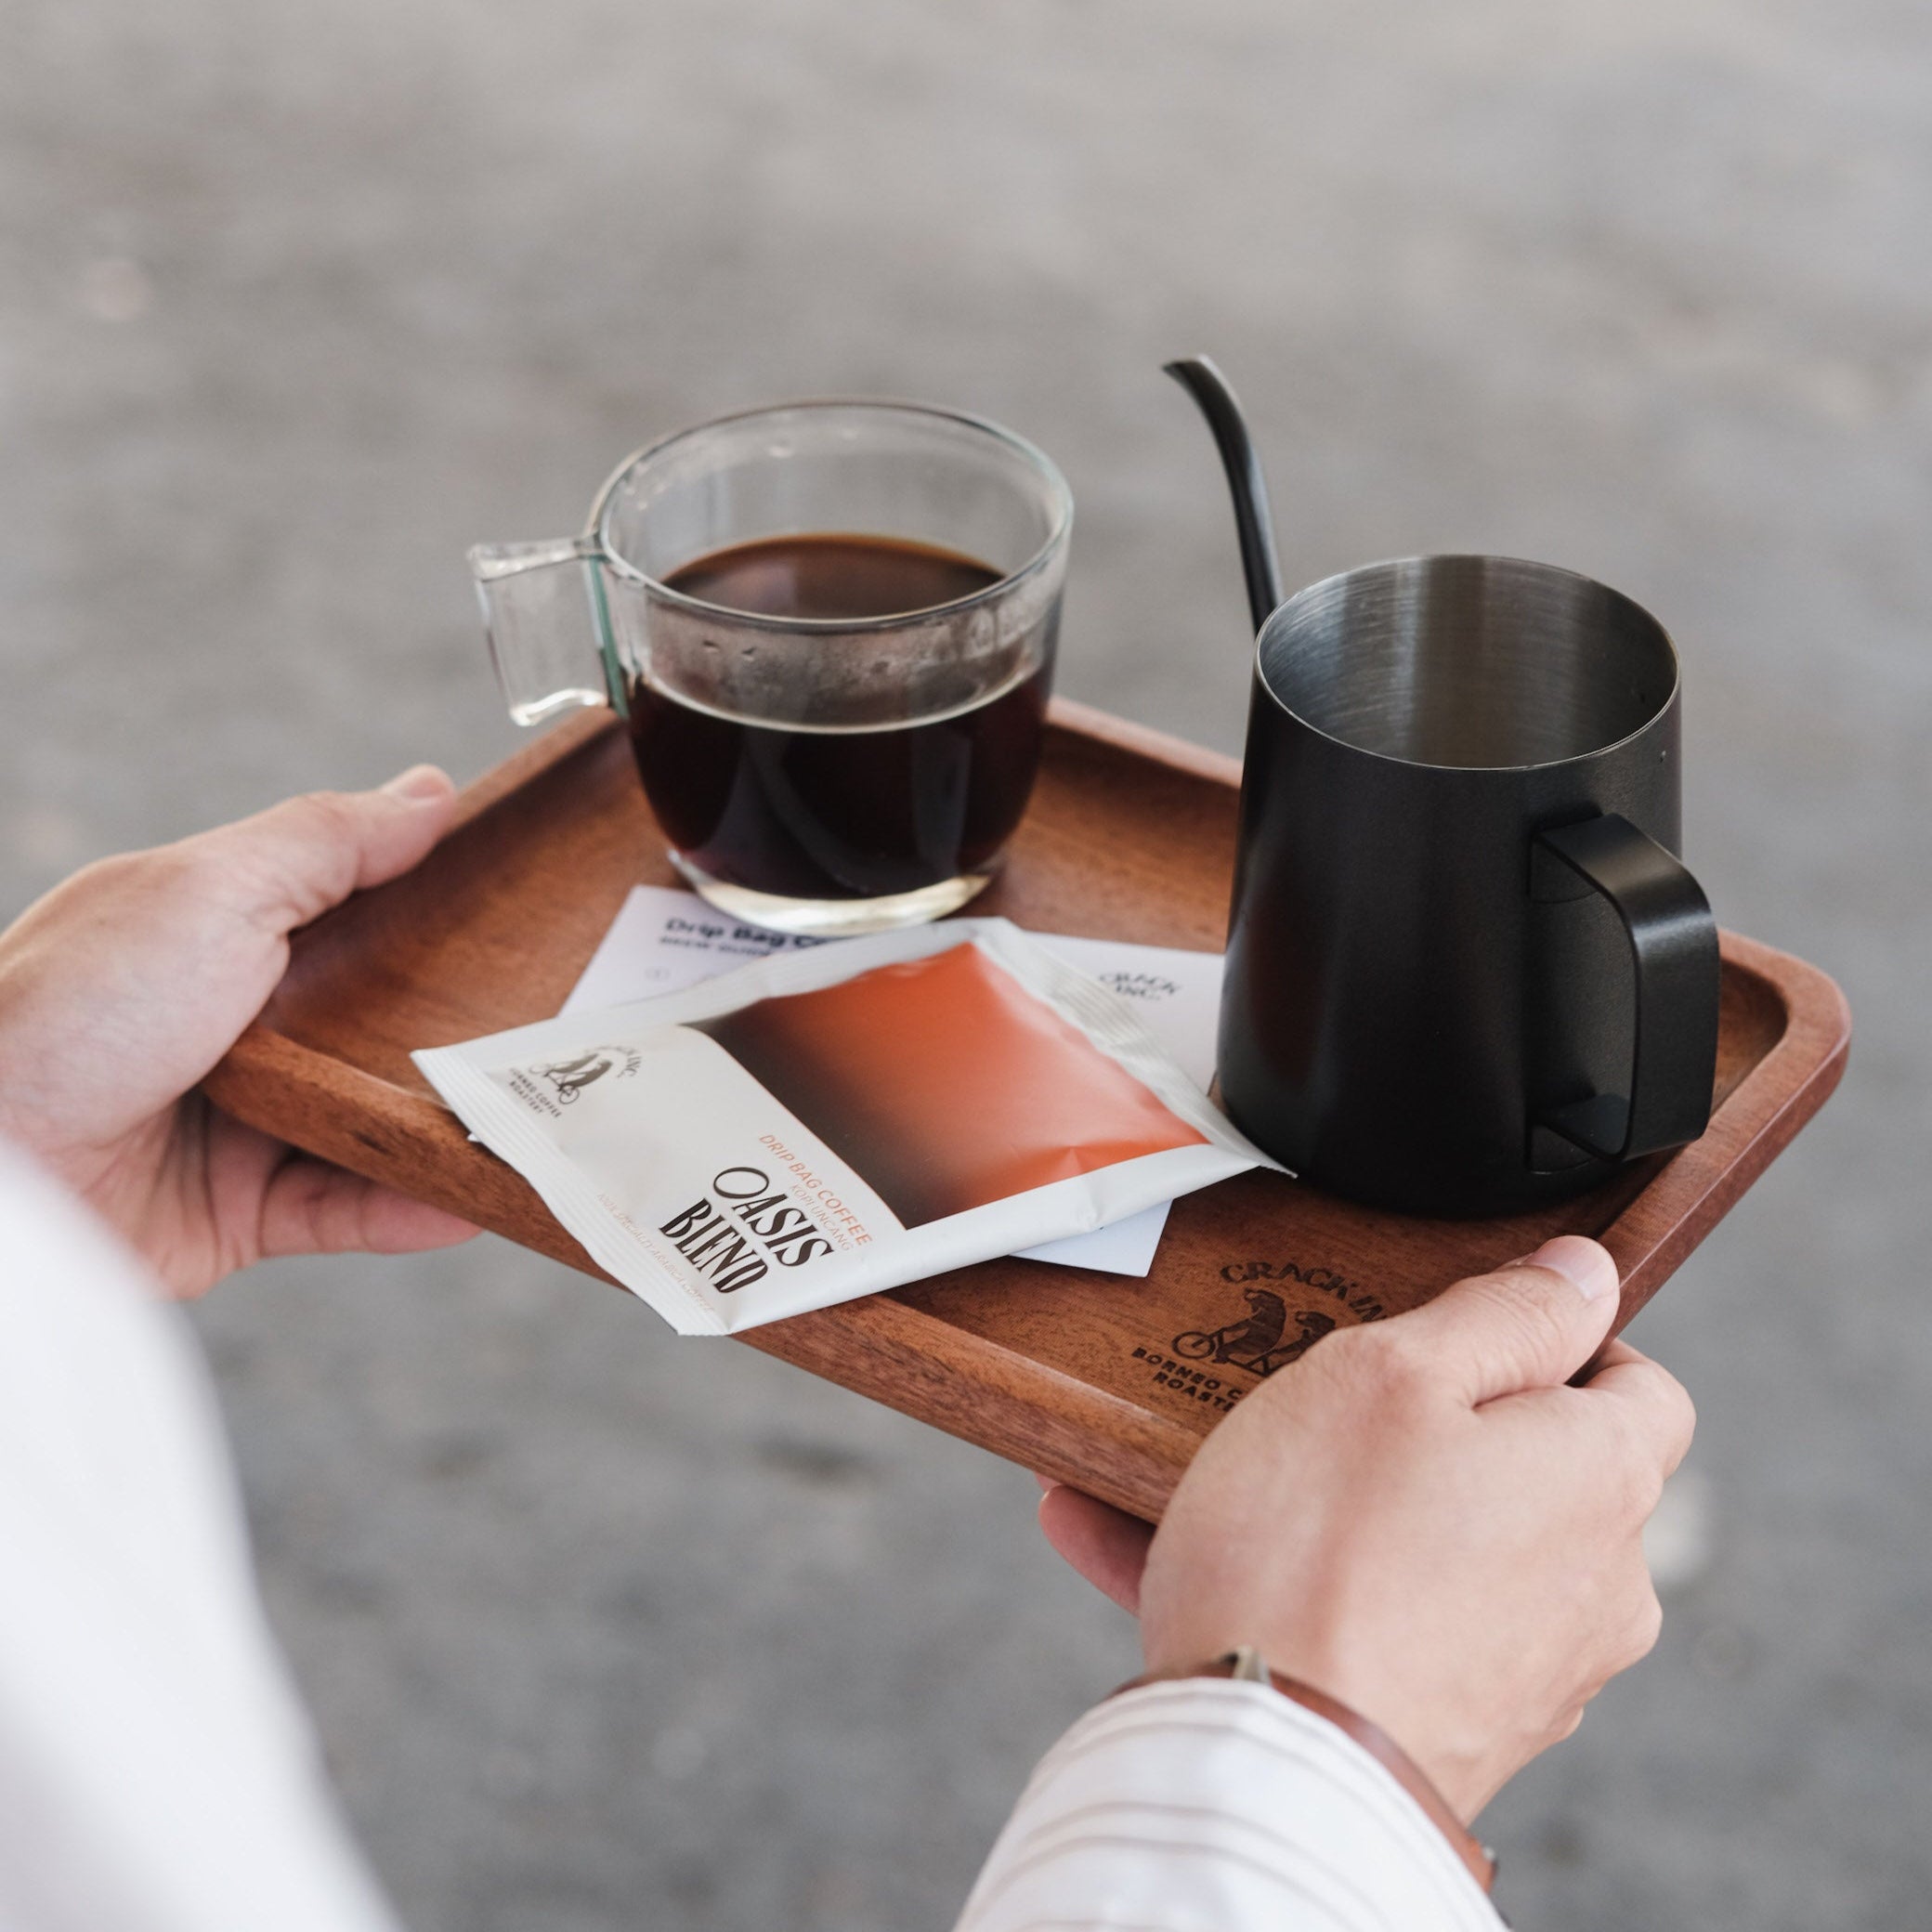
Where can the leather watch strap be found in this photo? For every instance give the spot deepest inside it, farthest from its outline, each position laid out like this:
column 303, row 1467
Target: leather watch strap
column 1247, row 1665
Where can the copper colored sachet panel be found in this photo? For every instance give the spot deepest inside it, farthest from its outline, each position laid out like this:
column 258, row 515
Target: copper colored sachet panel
column 947, row 1084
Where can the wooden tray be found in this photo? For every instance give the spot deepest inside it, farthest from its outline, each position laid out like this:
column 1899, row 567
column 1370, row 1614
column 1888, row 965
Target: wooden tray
column 1099, row 1379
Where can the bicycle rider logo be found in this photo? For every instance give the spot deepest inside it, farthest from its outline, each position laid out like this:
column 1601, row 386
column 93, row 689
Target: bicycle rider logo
column 1256, row 1343
column 1262, row 1340
column 568, row 1078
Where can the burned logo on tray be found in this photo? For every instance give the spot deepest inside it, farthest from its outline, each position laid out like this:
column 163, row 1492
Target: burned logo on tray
column 1260, row 1343
column 1267, row 1338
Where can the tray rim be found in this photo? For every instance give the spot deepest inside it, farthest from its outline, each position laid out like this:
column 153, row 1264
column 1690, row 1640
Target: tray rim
column 970, row 1386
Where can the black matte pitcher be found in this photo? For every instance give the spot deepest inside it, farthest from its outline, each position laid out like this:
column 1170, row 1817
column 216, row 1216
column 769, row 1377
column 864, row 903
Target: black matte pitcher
column 1466, row 970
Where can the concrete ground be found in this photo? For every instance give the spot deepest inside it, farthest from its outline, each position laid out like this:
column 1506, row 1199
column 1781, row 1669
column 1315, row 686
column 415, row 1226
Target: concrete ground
column 607, row 1629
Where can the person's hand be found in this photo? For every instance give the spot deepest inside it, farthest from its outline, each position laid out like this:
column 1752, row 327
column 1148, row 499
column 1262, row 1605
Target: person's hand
column 1421, row 1518
column 124, row 986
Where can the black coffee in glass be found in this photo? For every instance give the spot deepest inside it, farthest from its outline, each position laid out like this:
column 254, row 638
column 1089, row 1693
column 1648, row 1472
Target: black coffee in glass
column 927, row 790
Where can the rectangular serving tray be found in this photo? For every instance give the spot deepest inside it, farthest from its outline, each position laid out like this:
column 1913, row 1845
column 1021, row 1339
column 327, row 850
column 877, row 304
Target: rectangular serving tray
column 1099, row 1379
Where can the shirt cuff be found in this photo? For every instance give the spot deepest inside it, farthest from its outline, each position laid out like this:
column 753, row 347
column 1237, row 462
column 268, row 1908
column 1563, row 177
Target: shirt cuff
column 1205, row 1802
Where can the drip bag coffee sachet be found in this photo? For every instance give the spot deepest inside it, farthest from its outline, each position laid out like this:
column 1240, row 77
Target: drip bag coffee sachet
column 820, row 1125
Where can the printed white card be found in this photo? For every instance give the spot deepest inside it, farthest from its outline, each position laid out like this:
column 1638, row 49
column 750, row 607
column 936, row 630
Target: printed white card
column 664, row 939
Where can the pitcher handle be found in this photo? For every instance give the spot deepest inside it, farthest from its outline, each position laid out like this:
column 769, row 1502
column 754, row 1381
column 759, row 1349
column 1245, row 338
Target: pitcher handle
column 536, row 599
column 1673, row 944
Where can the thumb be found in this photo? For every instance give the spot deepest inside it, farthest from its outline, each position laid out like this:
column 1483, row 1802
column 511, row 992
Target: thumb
column 1530, row 1326
column 293, row 862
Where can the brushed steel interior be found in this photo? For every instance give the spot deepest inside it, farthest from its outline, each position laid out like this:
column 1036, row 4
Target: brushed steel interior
column 1470, row 661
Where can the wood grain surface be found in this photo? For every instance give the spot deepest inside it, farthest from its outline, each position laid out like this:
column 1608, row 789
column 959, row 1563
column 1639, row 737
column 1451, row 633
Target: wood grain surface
column 1100, row 1379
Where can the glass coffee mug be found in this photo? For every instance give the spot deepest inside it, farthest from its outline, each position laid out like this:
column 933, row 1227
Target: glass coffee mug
column 829, row 628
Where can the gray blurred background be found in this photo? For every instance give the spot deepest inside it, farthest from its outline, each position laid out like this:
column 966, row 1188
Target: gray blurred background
column 607, row 1629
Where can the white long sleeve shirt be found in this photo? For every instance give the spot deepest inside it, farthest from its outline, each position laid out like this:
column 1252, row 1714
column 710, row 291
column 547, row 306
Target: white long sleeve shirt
column 158, row 1774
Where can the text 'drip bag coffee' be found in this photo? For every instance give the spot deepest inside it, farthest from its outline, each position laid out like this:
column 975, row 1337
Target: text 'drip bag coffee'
column 820, row 1124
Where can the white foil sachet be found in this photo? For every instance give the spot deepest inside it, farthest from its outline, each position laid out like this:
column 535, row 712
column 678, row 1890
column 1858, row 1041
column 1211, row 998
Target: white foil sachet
column 664, row 937
column 822, row 1124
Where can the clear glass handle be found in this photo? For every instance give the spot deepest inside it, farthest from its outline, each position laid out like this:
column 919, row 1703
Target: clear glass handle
column 549, row 636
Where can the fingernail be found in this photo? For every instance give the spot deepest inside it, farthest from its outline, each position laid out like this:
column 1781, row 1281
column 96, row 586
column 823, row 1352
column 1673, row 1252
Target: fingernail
column 1585, row 1266
column 418, row 784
